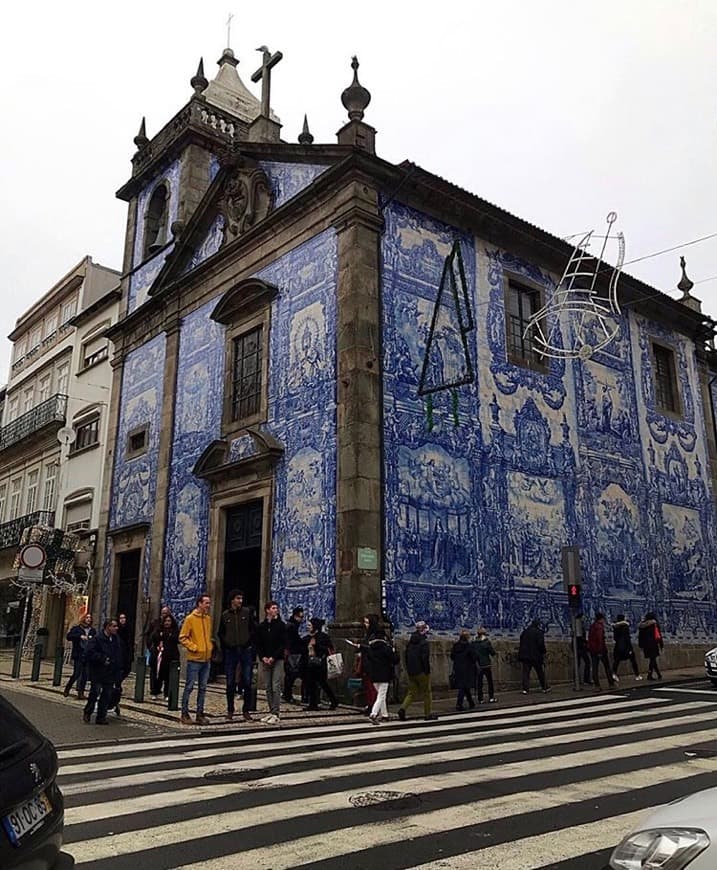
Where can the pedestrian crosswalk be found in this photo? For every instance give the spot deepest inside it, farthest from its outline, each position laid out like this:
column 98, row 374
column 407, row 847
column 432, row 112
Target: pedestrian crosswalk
column 524, row 787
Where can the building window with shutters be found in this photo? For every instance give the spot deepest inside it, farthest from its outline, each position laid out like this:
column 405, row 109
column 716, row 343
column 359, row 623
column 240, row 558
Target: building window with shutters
column 31, row 491
column 664, row 379
column 246, row 375
column 48, row 498
column 94, row 351
column 78, row 515
column 45, row 387
column 521, row 303
column 15, row 496
column 63, row 378
column 87, row 434
column 3, row 499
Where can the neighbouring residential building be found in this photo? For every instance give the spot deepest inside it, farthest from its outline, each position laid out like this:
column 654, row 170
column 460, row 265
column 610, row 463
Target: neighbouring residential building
column 325, row 395
column 53, row 434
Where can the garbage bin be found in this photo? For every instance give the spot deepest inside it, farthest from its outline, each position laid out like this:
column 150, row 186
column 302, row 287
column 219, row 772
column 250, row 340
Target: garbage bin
column 42, row 638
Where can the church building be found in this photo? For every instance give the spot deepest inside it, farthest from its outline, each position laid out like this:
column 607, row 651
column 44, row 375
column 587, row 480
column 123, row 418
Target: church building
column 326, row 393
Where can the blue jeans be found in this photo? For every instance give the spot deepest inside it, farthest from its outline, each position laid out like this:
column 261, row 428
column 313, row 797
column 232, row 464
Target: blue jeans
column 196, row 671
column 236, row 657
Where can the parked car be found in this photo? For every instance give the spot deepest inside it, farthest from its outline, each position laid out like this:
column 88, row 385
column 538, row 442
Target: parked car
column 679, row 835
column 711, row 665
column 31, row 806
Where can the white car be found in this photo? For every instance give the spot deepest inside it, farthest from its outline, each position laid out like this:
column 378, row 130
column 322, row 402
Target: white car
column 679, row 835
column 711, row 665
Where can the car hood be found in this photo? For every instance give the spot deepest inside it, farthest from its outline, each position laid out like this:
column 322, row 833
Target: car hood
column 699, row 810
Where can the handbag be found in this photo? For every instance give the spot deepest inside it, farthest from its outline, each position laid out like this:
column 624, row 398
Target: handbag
column 315, row 663
column 335, row 664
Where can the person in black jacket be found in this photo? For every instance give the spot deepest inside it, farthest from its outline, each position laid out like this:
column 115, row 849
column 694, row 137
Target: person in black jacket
column 80, row 636
column 463, row 656
column 317, row 646
column 270, row 647
column 104, row 657
column 418, row 666
column 296, row 648
column 237, row 632
column 649, row 639
column 531, row 654
column 380, row 661
column 623, row 650
column 164, row 647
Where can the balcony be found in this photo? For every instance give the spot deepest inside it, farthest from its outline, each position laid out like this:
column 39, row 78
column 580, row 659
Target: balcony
column 50, row 411
column 10, row 533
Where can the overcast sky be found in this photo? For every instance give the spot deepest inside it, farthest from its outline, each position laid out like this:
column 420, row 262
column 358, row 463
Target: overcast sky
column 556, row 111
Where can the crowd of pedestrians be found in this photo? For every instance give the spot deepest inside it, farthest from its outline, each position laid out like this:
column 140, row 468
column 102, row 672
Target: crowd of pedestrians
column 285, row 654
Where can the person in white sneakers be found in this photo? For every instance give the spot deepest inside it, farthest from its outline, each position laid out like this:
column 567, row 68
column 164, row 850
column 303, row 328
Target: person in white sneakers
column 271, row 641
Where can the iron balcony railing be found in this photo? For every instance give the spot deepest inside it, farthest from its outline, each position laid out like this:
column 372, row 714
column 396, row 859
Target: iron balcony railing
column 10, row 533
column 52, row 410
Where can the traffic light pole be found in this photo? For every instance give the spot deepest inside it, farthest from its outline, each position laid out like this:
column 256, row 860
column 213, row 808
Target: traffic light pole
column 576, row 664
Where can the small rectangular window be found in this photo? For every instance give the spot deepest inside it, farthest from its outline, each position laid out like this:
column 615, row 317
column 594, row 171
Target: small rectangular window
column 48, row 499
column 137, row 442
column 246, row 374
column 3, row 499
column 31, row 494
column 35, row 337
column 63, row 378
column 86, row 434
column 68, row 310
column 521, row 303
column 51, row 324
column 664, row 378
column 15, row 495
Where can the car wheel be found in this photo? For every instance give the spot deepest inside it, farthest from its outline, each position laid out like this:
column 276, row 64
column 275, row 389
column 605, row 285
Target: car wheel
column 713, row 681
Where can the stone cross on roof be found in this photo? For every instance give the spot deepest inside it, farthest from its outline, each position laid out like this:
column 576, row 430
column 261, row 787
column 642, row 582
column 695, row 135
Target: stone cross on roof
column 268, row 60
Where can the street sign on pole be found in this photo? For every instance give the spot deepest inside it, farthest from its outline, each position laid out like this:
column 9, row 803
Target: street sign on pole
column 32, row 559
column 572, row 575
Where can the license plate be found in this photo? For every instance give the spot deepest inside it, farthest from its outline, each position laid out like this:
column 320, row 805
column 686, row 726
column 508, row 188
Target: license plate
column 26, row 818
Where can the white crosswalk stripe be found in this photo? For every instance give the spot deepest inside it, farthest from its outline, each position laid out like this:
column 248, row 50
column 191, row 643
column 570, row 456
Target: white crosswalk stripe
column 470, row 790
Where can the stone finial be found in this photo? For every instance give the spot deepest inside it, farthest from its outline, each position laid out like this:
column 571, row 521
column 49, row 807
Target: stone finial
column 229, row 57
column 355, row 98
column 141, row 140
column 685, row 285
column 199, row 81
column 305, row 137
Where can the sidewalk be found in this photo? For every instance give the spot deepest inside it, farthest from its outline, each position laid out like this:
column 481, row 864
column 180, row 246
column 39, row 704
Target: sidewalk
column 295, row 715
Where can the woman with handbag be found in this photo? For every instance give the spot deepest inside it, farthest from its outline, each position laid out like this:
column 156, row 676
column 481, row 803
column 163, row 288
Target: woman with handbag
column 165, row 646
column 650, row 641
column 318, row 646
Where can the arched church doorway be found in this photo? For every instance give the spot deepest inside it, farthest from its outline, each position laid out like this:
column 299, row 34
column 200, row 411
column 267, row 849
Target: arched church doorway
column 242, row 552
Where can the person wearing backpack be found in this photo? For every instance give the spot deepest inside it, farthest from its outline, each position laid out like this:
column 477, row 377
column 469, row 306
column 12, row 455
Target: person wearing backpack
column 463, row 670
column 649, row 639
column 597, row 647
column 484, row 652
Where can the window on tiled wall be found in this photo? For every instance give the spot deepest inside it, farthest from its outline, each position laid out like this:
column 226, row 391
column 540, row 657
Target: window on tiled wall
column 667, row 397
column 155, row 221
column 246, row 374
column 521, row 303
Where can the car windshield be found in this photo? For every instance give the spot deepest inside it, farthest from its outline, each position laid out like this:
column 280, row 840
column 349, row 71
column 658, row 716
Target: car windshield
column 17, row 735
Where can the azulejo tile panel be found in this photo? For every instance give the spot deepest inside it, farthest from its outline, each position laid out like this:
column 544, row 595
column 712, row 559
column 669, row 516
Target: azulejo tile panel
column 197, row 422
column 488, row 482
column 288, row 179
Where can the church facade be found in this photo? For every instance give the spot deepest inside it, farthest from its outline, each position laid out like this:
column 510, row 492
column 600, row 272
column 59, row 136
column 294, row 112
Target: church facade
column 323, row 395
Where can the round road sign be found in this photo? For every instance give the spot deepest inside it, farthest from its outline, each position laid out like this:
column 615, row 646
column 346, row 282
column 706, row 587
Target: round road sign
column 33, row 556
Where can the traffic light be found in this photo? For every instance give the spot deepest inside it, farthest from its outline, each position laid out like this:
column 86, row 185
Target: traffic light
column 573, row 594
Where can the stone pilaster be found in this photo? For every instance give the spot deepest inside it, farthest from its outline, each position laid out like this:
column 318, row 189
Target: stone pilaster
column 193, row 180
column 113, row 412
column 164, row 462
column 359, row 413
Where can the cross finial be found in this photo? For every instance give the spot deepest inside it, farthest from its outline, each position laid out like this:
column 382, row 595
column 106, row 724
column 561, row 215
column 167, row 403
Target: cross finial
column 229, row 29
column 268, row 60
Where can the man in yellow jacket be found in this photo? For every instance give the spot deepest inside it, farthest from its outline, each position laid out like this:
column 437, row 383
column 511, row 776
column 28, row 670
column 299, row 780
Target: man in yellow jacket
column 196, row 637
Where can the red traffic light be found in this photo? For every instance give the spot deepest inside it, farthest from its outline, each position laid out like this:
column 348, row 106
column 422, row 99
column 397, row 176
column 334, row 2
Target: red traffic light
column 573, row 592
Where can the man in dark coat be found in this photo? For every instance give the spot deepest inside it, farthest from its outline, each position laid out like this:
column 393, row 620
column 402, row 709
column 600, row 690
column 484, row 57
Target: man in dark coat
column 418, row 667
column 80, row 636
column 270, row 648
column 237, row 632
column 105, row 659
column 531, row 654
column 463, row 656
column 597, row 646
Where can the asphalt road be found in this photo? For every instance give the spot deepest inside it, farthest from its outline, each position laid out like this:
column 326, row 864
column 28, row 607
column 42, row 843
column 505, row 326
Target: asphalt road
column 60, row 719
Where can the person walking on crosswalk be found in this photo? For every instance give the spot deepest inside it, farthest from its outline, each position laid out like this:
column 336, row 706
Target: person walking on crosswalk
column 104, row 657
column 381, row 661
column 650, row 641
column 464, row 656
column 531, row 655
column 418, row 667
column 484, row 652
column 623, row 650
column 196, row 637
column 597, row 646
column 270, row 646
